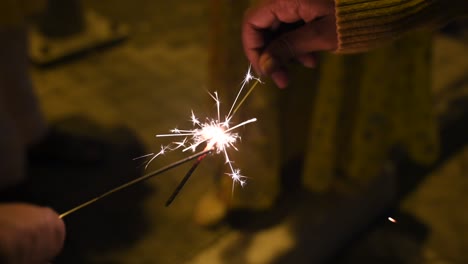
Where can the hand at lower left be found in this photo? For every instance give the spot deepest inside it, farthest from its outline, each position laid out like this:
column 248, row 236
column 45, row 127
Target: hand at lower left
column 29, row 234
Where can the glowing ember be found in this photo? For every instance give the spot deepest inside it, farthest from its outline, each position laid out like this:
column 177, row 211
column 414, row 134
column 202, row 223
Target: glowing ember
column 392, row 220
column 218, row 134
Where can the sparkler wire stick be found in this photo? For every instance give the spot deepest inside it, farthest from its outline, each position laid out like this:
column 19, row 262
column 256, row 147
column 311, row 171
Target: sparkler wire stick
column 137, row 180
column 246, row 95
column 184, row 180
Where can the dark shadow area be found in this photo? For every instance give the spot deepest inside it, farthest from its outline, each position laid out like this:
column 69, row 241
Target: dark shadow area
column 453, row 137
column 389, row 243
column 322, row 223
column 375, row 239
column 79, row 54
column 72, row 56
column 65, row 31
column 291, row 192
column 79, row 160
column 257, row 219
column 456, row 28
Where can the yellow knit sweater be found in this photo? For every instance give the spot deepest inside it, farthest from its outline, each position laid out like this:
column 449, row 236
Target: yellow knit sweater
column 366, row 24
column 370, row 103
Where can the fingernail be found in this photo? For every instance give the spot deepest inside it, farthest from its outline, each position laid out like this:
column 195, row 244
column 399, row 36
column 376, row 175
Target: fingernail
column 309, row 64
column 268, row 65
column 280, row 78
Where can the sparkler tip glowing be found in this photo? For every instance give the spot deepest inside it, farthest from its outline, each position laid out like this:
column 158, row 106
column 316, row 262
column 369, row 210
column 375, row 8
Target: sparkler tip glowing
column 249, row 76
column 216, row 133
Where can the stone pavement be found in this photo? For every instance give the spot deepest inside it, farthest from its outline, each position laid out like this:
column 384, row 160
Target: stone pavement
column 149, row 84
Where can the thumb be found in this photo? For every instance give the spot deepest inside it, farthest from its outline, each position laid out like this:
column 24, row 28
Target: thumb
column 318, row 35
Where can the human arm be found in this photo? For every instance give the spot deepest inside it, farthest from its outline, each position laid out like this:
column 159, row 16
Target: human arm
column 29, row 234
column 342, row 26
column 363, row 25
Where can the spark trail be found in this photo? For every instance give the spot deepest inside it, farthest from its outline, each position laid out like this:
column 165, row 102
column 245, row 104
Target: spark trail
column 217, row 134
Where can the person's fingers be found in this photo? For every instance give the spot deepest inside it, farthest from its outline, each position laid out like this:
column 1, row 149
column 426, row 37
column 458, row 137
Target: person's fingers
column 42, row 235
column 263, row 19
column 53, row 232
column 260, row 21
column 280, row 77
column 311, row 37
column 254, row 33
column 319, row 35
column 46, row 236
column 29, row 233
column 309, row 60
column 275, row 58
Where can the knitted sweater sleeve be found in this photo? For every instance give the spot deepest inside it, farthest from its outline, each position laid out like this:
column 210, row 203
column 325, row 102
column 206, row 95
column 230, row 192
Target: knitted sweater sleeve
column 365, row 24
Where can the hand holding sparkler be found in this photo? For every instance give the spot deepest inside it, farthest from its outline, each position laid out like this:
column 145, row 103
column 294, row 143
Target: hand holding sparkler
column 313, row 29
column 29, row 233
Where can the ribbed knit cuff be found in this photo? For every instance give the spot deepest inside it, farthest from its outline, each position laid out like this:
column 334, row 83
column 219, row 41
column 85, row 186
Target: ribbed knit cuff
column 365, row 24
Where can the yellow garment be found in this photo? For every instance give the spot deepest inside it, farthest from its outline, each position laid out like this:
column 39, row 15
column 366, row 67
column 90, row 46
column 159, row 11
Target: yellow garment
column 15, row 12
column 362, row 25
column 366, row 105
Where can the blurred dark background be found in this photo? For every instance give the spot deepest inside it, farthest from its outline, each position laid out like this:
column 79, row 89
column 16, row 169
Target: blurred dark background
column 139, row 72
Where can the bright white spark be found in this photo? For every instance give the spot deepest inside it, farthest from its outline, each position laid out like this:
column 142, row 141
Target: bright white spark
column 214, row 133
column 391, row 219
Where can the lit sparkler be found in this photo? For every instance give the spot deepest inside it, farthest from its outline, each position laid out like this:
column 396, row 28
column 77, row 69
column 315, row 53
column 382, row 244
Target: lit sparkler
column 218, row 134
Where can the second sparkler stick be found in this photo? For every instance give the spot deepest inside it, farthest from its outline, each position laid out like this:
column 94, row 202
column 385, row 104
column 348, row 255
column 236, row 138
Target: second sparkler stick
column 185, row 179
column 137, row 180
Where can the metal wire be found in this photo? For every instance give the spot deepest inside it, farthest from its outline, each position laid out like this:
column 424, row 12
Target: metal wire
column 184, row 180
column 137, row 180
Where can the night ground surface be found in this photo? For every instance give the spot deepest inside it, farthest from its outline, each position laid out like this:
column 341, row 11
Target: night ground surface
column 148, row 84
